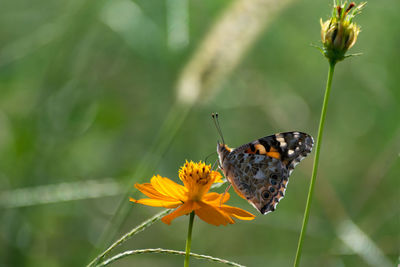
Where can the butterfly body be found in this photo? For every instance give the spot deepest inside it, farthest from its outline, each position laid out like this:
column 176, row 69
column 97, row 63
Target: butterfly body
column 259, row 171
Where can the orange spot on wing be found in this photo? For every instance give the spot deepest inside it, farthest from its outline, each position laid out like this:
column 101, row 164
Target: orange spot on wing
column 272, row 149
column 261, row 149
column 274, row 155
column 258, row 149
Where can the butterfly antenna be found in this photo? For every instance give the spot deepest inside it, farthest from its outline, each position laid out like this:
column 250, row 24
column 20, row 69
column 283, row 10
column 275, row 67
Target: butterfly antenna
column 216, row 123
column 215, row 162
column 205, row 160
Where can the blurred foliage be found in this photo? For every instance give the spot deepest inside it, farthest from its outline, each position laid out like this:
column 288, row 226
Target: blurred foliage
column 86, row 85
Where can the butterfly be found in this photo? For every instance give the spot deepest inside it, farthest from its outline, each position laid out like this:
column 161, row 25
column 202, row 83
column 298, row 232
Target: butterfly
column 259, row 171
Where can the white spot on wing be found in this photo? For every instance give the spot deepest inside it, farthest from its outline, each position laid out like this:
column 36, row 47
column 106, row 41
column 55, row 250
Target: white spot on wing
column 280, row 139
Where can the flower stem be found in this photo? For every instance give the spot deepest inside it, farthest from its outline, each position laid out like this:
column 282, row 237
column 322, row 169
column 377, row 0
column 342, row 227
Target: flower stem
column 189, row 239
column 316, row 160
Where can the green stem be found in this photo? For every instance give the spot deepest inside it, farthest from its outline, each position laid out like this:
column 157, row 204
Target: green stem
column 316, row 160
column 165, row 251
column 189, row 239
column 128, row 235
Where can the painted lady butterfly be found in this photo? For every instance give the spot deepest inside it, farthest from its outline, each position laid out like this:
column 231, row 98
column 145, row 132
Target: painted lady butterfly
column 259, row 171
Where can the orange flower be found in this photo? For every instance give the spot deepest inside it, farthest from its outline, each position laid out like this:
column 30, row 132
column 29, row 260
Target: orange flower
column 193, row 196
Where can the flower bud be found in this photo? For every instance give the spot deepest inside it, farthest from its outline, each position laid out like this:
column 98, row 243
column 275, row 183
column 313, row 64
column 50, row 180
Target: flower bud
column 339, row 33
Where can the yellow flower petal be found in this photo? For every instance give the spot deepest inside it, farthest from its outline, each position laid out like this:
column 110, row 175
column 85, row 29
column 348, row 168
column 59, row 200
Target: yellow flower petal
column 217, row 177
column 157, row 203
column 215, row 198
column 182, row 210
column 149, row 191
column 238, row 213
column 212, row 215
column 167, row 187
column 211, row 197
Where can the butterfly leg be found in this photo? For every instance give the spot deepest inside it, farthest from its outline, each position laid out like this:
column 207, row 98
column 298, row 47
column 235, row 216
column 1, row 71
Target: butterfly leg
column 223, row 195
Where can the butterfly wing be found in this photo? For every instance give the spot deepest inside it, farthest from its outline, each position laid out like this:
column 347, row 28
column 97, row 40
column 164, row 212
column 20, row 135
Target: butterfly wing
column 259, row 171
column 289, row 147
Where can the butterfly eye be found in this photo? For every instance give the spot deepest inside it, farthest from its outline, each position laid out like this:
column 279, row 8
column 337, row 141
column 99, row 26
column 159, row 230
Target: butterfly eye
column 265, row 194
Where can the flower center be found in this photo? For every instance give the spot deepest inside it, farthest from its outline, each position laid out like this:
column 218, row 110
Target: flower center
column 197, row 178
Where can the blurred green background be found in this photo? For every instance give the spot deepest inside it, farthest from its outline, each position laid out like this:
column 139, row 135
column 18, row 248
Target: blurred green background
column 92, row 101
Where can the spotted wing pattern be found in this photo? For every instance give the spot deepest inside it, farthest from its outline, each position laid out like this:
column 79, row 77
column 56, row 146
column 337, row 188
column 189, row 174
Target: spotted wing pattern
column 259, row 171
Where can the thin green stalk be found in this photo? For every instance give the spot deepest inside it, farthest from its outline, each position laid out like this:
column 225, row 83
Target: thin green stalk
column 316, row 160
column 128, row 235
column 189, row 239
column 165, row 251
